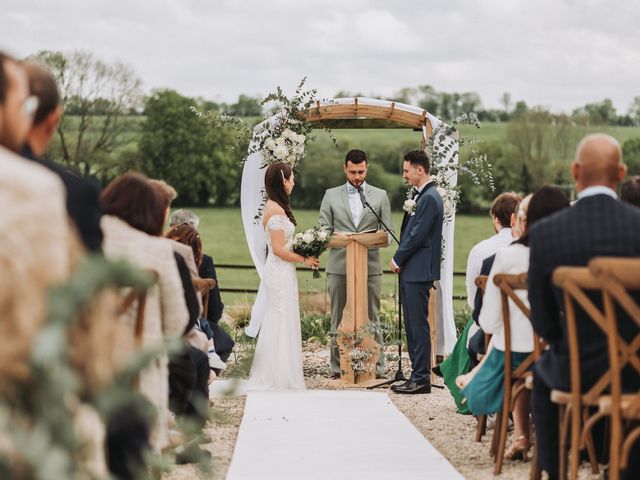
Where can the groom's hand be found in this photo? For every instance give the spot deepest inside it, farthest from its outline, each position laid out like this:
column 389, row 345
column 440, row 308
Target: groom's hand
column 393, row 267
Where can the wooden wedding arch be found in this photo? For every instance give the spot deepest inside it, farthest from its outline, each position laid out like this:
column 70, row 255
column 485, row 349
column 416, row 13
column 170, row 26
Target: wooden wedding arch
column 353, row 113
column 357, row 110
column 358, row 113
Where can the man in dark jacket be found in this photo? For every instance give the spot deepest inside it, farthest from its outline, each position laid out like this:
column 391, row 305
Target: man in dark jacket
column 598, row 224
column 82, row 194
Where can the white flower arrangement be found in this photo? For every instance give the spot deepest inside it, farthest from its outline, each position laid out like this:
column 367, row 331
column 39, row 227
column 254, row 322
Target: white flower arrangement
column 311, row 243
column 409, row 205
column 444, row 157
column 285, row 131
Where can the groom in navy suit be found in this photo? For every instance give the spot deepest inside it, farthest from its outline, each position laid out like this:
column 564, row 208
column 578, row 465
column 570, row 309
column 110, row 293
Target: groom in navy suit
column 417, row 260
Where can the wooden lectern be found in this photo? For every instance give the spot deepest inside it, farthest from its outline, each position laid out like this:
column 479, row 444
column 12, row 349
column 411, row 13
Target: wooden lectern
column 355, row 314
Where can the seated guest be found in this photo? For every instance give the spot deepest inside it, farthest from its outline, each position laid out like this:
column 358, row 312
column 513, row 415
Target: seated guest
column 484, row 391
column 83, row 205
column 460, row 361
column 184, row 216
column 518, row 224
column 134, row 215
column 186, row 234
column 630, row 191
column 597, row 224
column 223, row 342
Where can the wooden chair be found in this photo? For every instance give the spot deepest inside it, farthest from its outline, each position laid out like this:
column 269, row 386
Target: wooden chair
column 617, row 277
column 139, row 295
column 481, row 428
column 575, row 404
column 514, row 380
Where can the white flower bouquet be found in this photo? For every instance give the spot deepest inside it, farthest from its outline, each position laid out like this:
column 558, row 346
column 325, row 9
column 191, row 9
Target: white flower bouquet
column 311, row 243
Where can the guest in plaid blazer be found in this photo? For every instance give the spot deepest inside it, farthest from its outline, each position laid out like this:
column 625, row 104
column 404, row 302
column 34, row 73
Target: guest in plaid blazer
column 597, row 224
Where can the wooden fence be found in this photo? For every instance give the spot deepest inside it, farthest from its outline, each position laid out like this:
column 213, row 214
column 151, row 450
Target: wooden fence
column 228, row 266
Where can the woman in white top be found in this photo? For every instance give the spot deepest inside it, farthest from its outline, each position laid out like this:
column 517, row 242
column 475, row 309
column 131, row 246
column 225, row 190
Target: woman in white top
column 484, row 392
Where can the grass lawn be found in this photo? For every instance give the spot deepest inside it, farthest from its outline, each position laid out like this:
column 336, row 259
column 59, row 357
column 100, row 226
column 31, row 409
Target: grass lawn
column 223, row 238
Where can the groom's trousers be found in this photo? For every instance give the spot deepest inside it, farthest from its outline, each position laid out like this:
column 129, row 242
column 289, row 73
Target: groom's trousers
column 337, row 286
column 415, row 306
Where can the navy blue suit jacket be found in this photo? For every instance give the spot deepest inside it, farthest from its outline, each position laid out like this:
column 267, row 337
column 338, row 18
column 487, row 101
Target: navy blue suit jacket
column 421, row 239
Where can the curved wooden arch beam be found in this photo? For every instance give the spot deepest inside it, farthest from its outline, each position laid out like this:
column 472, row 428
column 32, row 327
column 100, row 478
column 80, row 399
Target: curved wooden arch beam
column 355, row 109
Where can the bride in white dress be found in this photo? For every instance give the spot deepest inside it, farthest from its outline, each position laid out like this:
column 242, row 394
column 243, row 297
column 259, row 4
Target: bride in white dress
column 277, row 363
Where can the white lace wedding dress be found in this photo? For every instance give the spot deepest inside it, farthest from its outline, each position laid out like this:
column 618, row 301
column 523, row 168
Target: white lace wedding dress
column 277, row 363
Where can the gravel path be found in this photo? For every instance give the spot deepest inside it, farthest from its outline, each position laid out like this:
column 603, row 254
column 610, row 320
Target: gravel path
column 433, row 415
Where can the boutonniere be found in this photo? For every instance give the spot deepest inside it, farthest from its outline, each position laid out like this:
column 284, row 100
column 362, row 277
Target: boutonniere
column 410, row 204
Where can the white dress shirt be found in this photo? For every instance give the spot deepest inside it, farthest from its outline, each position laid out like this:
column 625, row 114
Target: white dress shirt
column 355, row 204
column 477, row 255
column 597, row 190
column 513, row 259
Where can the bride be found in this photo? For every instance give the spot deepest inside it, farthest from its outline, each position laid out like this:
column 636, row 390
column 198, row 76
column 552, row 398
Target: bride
column 277, row 362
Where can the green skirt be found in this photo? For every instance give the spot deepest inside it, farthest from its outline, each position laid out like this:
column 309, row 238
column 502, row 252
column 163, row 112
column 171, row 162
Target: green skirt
column 484, row 393
column 457, row 363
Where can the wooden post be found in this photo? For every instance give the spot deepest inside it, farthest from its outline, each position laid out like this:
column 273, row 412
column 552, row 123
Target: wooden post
column 356, row 312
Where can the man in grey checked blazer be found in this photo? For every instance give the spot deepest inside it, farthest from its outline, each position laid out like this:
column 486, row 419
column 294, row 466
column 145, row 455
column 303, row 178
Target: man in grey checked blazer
column 342, row 211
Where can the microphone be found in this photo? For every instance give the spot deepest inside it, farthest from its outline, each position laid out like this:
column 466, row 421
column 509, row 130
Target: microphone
column 362, row 199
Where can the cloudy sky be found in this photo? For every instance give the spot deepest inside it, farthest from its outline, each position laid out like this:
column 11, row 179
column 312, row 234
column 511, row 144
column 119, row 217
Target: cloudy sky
column 557, row 53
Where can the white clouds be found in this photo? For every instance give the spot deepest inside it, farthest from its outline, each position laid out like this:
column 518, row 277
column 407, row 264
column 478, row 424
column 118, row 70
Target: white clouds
column 561, row 54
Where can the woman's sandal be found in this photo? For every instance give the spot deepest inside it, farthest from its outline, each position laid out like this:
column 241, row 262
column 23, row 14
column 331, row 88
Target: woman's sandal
column 519, row 449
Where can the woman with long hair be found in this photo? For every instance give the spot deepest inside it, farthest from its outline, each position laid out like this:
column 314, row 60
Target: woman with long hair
column 278, row 355
column 484, row 390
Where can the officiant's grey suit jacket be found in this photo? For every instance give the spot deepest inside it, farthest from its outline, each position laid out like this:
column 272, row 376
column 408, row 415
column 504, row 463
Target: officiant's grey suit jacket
column 335, row 216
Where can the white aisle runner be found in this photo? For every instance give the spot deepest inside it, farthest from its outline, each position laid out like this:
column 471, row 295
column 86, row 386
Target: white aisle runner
column 329, row 435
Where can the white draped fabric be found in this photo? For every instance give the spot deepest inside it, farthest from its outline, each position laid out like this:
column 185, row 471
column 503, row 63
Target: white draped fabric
column 251, row 195
column 251, row 199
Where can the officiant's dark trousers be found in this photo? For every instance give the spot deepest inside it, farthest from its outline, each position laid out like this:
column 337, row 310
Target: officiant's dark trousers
column 415, row 306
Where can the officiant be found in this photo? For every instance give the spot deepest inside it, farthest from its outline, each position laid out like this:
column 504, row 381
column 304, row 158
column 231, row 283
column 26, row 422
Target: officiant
column 343, row 211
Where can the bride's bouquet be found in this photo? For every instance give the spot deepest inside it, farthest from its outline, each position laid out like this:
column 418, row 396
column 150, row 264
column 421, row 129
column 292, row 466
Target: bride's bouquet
column 311, row 243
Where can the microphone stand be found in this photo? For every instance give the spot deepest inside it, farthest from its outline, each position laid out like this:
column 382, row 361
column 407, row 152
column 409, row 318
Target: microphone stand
column 399, row 376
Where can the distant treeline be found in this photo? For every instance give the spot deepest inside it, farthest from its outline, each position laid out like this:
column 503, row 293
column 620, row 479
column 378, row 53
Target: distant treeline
column 110, row 126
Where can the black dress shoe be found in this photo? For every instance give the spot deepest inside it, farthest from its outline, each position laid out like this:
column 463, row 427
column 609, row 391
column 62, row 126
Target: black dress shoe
column 402, row 385
column 335, row 376
column 413, row 388
column 437, row 371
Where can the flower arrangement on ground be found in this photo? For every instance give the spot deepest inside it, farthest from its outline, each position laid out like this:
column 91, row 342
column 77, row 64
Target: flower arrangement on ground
column 311, row 243
column 360, row 355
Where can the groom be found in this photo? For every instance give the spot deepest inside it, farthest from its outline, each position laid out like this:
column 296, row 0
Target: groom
column 417, row 260
column 342, row 210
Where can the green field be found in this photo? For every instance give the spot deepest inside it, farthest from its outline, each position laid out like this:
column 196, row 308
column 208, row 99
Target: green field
column 223, row 238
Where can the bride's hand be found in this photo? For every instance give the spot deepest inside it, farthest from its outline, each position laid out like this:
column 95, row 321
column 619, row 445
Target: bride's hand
column 313, row 262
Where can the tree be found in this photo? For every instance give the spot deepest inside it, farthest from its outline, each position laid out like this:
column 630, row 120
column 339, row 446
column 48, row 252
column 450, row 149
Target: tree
column 182, row 149
column 634, row 110
column 98, row 95
column 631, row 155
column 406, row 95
column 602, row 113
column 246, row 106
column 505, row 100
column 520, row 108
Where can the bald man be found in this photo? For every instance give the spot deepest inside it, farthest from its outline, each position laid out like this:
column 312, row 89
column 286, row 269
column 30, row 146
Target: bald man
column 597, row 224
